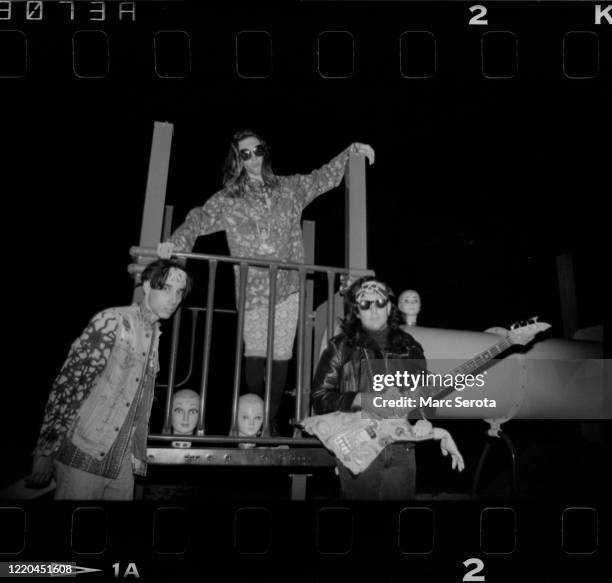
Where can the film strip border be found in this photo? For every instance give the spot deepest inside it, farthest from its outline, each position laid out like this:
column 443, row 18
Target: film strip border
column 448, row 541
column 274, row 41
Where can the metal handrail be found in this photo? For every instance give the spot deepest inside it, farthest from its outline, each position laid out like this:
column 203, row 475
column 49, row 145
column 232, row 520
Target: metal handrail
column 243, row 264
column 152, row 253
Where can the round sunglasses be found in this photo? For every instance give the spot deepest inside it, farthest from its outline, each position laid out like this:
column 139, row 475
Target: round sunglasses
column 365, row 304
column 258, row 151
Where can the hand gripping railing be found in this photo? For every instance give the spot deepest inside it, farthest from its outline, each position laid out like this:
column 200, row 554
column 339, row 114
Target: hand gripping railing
column 302, row 384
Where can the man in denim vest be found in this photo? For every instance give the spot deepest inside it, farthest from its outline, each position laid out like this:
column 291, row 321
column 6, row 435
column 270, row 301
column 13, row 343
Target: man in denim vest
column 94, row 432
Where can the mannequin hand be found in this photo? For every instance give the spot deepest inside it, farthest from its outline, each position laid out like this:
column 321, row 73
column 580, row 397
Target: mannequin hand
column 422, row 427
column 448, row 446
column 42, row 471
column 366, row 150
column 164, row 250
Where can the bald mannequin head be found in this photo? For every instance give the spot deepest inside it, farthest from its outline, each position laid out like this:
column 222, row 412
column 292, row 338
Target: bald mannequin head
column 185, row 410
column 409, row 304
column 250, row 415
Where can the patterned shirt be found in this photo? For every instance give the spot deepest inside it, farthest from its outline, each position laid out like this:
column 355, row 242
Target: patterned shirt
column 86, row 361
column 131, row 439
column 263, row 224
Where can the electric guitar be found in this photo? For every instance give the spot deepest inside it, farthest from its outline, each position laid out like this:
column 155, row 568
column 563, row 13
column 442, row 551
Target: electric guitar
column 520, row 333
column 356, row 439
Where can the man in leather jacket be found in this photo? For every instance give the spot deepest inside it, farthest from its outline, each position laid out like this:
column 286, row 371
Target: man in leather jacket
column 371, row 343
column 94, row 432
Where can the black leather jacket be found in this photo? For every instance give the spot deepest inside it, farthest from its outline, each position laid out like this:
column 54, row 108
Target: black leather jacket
column 344, row 371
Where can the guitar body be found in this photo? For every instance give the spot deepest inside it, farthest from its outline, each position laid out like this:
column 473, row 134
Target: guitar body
column 355, row 439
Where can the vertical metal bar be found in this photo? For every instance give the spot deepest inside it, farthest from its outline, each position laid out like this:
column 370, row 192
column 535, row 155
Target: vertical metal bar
column 157, row 179
column 299, row 413
column 192, row 339
column 176, row 327
column 298, row 486
column 242, row 278
column 309, row 258
column 356, row 213
column 270, row 351
column 167, row 227
column 330, row 305
column 210, row 305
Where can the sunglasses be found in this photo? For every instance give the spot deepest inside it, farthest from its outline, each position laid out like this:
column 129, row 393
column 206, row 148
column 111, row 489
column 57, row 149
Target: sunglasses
column 259, row 151
column 365, row 304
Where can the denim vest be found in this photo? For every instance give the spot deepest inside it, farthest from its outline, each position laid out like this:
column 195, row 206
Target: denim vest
column 102, row 415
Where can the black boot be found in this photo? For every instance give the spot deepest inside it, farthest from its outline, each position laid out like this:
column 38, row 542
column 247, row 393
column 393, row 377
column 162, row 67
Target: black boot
column 254, row 374
column 279, row 378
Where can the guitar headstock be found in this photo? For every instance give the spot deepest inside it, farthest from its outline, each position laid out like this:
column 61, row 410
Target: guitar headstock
column 525, row 331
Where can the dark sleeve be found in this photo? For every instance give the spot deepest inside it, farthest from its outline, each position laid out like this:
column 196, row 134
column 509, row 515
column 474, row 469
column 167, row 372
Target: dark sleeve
column 85, row 363
column 309, row 186
column 326, row 395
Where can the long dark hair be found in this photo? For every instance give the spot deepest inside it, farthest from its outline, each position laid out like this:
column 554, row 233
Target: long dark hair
column 235, row 177
column 356, row 336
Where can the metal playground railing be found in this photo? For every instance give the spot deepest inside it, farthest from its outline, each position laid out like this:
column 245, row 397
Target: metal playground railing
column 204, row 448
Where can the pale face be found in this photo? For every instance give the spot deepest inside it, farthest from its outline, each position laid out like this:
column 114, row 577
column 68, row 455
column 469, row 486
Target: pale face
column 409, row 303
column 163, row 302
column 250, row 418
column 374, row 318
column 254, row 164
column 185, row 412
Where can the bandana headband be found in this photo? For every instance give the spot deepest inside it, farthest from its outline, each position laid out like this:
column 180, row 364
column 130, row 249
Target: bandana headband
column 176, row 276
column 372, row 288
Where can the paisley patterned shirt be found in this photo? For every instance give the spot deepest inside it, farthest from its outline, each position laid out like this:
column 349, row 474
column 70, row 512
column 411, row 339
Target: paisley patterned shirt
column 86, row 361
column 263, row 224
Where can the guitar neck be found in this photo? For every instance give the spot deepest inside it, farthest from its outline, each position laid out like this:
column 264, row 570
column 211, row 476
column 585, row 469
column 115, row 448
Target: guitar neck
column 468, row 367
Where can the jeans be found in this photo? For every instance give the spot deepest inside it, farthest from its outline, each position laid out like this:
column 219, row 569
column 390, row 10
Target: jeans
column 75, row 484
column 391, row 476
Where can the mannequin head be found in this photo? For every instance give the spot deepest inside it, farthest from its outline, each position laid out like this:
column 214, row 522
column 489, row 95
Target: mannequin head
column 250, row 415
column 410, row 305
column 185, row 410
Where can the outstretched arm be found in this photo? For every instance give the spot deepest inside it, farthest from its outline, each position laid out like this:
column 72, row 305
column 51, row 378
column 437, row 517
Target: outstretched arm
column 309, row 186
column 203, row 220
